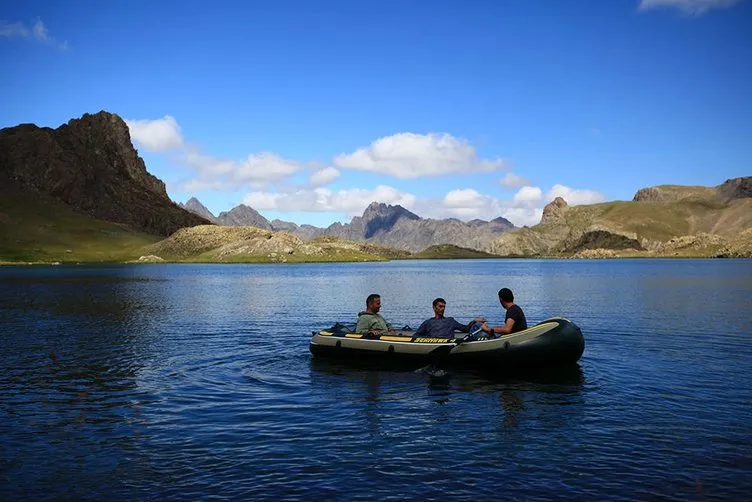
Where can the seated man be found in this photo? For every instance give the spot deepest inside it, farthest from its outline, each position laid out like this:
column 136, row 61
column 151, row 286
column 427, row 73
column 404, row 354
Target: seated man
column 439, row 326
column 370, row 321
column 514, row 320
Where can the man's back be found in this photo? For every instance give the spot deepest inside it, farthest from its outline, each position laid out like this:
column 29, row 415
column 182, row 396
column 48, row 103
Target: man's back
column 520, row 321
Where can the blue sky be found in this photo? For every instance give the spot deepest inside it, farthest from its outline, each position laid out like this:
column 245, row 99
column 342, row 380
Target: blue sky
column 310, row 110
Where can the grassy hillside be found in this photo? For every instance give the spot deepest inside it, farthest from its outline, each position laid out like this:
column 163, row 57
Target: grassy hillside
column 34, row 229
column 209, row 243
column 449, row 252
column 648, row 223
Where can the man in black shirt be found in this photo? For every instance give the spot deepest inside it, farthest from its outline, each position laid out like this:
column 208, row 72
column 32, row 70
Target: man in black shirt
column 515, row 319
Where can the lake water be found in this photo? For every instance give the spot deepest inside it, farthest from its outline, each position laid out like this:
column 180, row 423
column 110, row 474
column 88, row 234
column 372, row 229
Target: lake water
column 193, row 382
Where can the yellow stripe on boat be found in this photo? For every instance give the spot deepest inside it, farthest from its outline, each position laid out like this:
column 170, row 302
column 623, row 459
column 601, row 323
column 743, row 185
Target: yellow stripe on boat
column 395, row 338
column 324, row 333
column 352, row 335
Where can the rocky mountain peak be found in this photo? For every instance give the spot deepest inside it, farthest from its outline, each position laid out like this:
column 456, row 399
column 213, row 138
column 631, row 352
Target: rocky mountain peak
column 554, row 210
column 244, row 216
column 736, row 188
column 379, row 217
column 90, row 164
column 385, row 211
column 196, row 207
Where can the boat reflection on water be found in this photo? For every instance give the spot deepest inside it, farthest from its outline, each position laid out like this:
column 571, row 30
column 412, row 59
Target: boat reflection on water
column 559, row 375
column 502, row 400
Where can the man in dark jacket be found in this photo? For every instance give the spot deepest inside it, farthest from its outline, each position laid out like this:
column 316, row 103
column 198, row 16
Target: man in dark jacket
column 439, row 326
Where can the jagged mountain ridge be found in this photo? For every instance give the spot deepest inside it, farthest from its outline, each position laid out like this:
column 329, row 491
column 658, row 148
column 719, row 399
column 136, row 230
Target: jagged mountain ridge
column 383, row 224
column 243, row 216
column 656, row 216
column 195, row 206
column 90, row 165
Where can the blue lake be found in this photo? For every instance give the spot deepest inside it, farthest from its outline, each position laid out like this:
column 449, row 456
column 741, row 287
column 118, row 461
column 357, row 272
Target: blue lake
column 193, row 382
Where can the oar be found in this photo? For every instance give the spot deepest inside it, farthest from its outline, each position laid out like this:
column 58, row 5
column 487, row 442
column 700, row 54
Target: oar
column 439, row 354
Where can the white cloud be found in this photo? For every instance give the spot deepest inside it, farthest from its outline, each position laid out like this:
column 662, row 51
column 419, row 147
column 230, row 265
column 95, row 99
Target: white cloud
column 464, row 198
column 323, row 176
column 10, row 30
column 38, row 31
column 203, row 185
column 528, row 196
column 409, row 155
column 159, row 135
column 352, row 201
column 465, row 204
column 522, row 216
column 265, row 166
column 262, row 171
column 690, row 7
column 256, row 171
column 511, row 180
column 574, row 197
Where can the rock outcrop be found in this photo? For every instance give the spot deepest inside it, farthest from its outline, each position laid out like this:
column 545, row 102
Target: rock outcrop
column 735, row 188
column 599, row 237
column 554, row 210
column 90, row 165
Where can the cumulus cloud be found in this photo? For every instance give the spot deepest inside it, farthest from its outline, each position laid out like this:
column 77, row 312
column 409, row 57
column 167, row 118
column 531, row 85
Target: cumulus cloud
column 511, row 180
column 38, row 32
column 255, row 171
column 323, row 176
column 268, row 177
column 159, row 135
column 409, row 155
column 164, row 135
column 689, row 7
column 351, row 201
column 464, row 204
column 528, row 196
column 573, row 196
column 464, row 198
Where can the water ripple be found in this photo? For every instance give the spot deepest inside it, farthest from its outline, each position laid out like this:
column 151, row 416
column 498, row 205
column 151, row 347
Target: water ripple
column 195, row 382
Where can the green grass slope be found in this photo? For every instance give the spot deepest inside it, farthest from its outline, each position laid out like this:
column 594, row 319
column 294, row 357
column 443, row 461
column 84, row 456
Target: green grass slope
column 40, row 230
column 644, row 221
column 450, row 252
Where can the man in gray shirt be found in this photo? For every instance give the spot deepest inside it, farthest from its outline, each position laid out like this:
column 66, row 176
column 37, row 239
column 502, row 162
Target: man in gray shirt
column 370, row 321
column 439, row 326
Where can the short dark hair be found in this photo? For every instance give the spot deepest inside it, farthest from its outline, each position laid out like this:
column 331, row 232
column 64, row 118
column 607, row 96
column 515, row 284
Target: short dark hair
column 505, row 294
column 371, row 298
column 439, row 300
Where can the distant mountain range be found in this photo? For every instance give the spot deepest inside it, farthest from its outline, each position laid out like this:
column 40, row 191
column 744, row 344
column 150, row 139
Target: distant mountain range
column 386, row 225
column 81, row 192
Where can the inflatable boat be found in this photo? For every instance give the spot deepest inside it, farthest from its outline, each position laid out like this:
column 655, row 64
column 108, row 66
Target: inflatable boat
column 552, row 343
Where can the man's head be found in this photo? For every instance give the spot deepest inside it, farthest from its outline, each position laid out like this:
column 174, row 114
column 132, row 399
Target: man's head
column 506, row 297
column 439, row 305
column 373, row 303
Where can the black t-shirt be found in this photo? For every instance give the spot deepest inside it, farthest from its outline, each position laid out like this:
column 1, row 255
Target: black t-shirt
column 516, row 313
